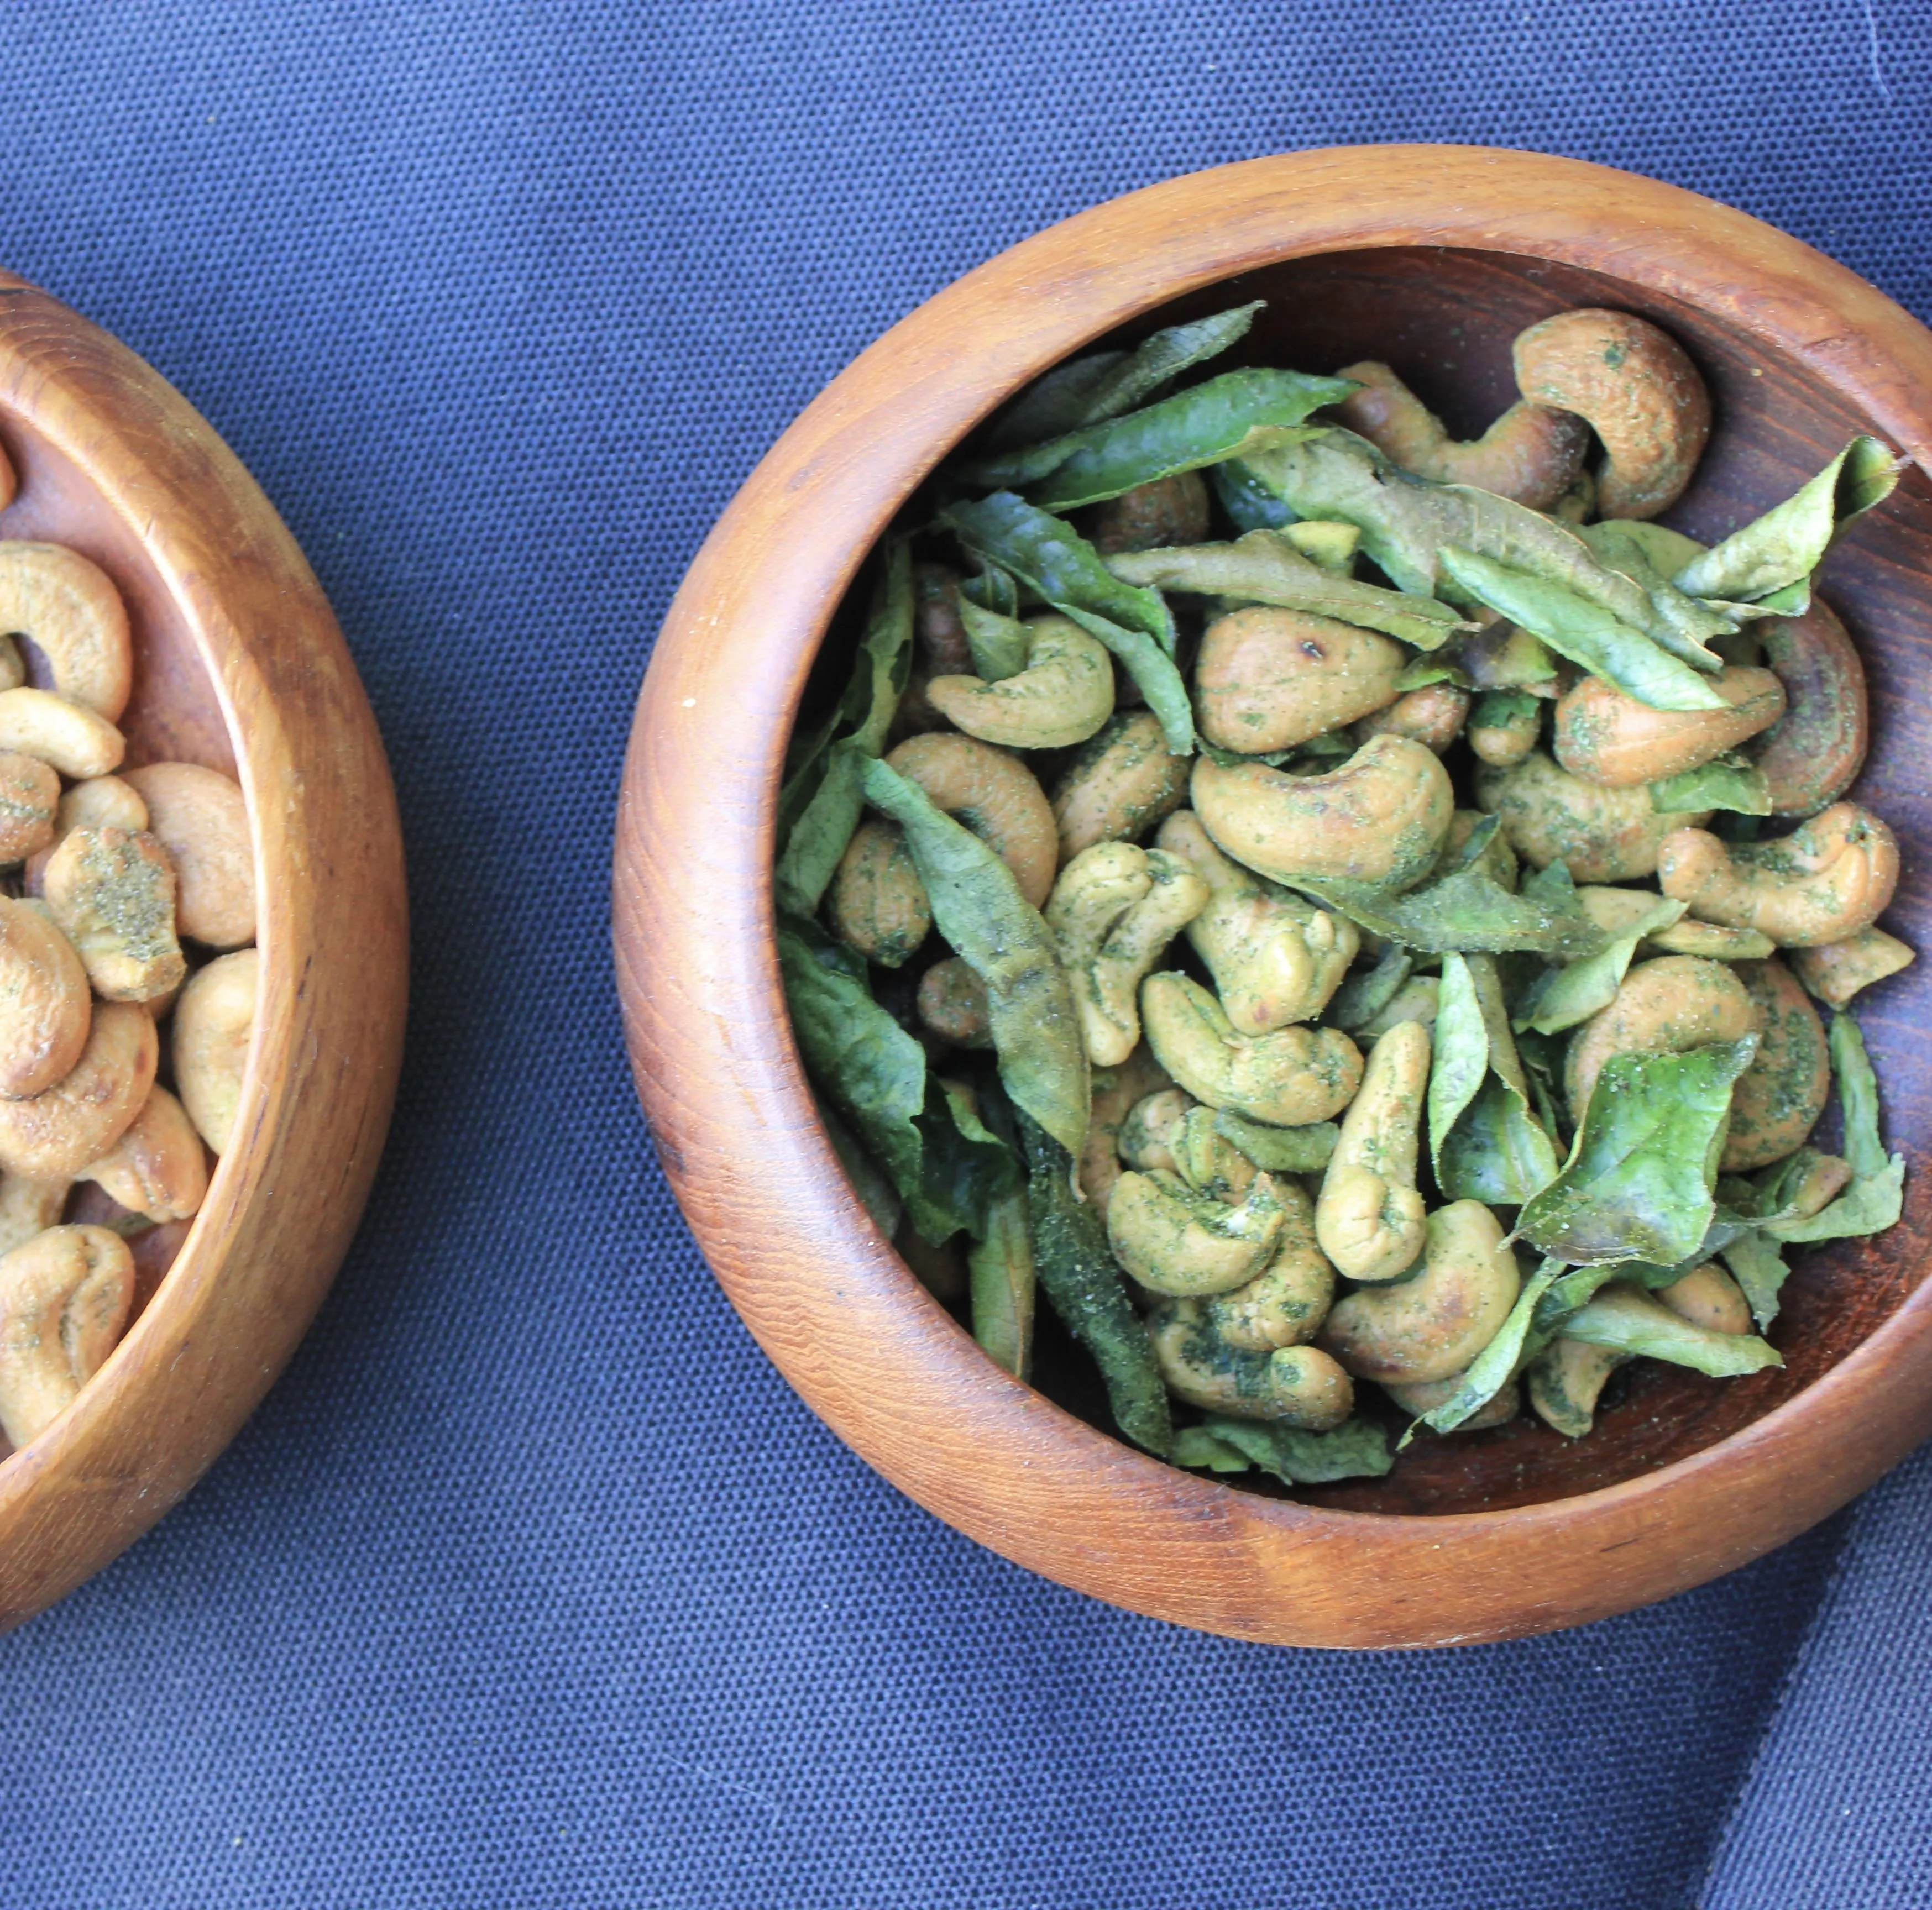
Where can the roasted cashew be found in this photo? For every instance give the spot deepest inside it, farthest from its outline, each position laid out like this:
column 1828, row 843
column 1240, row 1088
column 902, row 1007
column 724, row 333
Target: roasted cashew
column 1286, row 1079
column 64, row 1300
column 1810, row 758
column 1275, row 957
column 29, row 796
column 1662, row 1007
column 1709, row 1297
column 1116, row 1093
column 28, row 1207
column 1380, row 818
column 1425, row 1397
column 951, row 1002
column 1503, row 729
column 1820, row 1179
column 157, row 1167
column 215, row 1023
column 995, row 795
column 201, row 821
column 1531, row 453
column 1268, row 679
column 1548, row 815
column 46, row 1009
column 1566, row 1381
column 112, row 893
column 1606, row 737
column 73, row 739
column 1174, row 1241
column 942, row 645
column 69, row 610
column 876, row 903
column 1063, row 696
column 1433, row 716
column 1286, row 1304
column 1639, row 393
column 1370, row 1220
column 1148, row 1133
column 1122, row 784
column 1835, row 971
column 1618, row 909
column 1434, row 1322
column 1299, row 1385
column 58, row 1131
column 1778, row 1099
column 1826, row 880
column 101, row 802
column 1152, row 517
column 1211, row 1164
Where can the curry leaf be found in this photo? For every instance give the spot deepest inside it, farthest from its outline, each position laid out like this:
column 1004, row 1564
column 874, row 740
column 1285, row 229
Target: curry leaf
column 1363, row 997
column 1726, row 782
column 1357, row 1449
column 1279, row 1150
column 1559, row 998
column 1485, row 1142
column 1627, row 1321
column 1876, row 1197
column 1758, row 1266
column 1246, row 500
column 1194, row 1446
column 1466, row 910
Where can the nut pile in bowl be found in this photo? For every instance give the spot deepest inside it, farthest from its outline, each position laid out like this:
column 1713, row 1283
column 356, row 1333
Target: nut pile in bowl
column 1333, row 906
column 126, row 908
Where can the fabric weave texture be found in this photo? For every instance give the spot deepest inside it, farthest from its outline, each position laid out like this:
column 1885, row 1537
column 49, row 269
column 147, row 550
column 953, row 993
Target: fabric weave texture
column 531, row 1584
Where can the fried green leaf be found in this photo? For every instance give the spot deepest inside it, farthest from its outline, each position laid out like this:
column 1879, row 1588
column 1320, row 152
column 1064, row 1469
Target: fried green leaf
column 1196, row 1448
column 1279, row 1150
column 1363, row 997
column 1000, row 1266
column 1357, row 1449
column 1726, row 782
column 1559, row 998
column 999, row 643
column 1498, row 1363
column 870, row 1181
column 1485, row 1142
column 1876, row 1197
column 1757, row 1265
column 1247, row 501
column 1467, row 910
column 1683, row 624
column 1627, row 1321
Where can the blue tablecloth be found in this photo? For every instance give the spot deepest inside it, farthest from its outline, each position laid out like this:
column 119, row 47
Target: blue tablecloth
column 531, row 1584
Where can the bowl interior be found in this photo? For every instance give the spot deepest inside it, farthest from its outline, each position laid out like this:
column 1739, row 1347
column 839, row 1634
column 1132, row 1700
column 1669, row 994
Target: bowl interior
column 1444, row 319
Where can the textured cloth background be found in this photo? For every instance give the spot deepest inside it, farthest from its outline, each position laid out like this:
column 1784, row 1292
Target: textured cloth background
column 531, row 1584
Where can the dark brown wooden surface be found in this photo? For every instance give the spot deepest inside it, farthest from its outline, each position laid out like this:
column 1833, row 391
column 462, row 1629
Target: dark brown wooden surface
column 239, row 665
column 1432, row 257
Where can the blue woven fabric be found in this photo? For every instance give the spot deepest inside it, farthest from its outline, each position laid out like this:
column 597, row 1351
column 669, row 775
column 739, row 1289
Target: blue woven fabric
column 531, row 1584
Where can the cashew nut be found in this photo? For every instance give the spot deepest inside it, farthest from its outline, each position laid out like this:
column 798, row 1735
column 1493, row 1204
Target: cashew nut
column 1122, row 784
column 1299, row 1385
column 64, row 1301
column 29, row 795
column 1148, row 1133
column 1709, row 1297
column 1835, row 971
column 69, row 610
column 1638, row 391
column 28, row 1207
column 995, row 795
column 72, row 738
column 1548, row 815
column 111, row 892
column 215, row 1023
column 1211, row 1164
column 1434, row 1322
column 1286, row 1304
column 1811, row 1182
column 45, row 1008
column 1566, row 1379
column 1826, row 880
column 1268, row 679
column 201, row 821
column 1778, row 1099
column 951, row 1002
column 1503, row 728
column 1433, row 716
column 1811, row 756
column 1502, row 1407
column 1286, row 1079
column 876, row 903
column 1606, row 737
column 1531, row 453
column 1173, row 1240
column 1275, row 957
column 1380, row 818
column 1662, row 1007
column 101, row 802
column 1116, row 1093
column 58, row 1131
column 1063, row 696
column 1500, row 657
column 1370, row 1220
column 1618, row 909
column 1152, row 517
column 157, row 1167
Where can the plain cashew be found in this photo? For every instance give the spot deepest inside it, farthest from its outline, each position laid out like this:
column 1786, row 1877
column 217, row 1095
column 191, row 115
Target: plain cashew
column 1434, row 1322
column 69, row 610
column 1835, row 971
column 1284, row 1303
column 28, row 1207
column 1666, row 1006
column 1286, row 1079
column 1502, row 1406
column 1778, row 1099
column 157, row 1167
column 1370, row 1220
column 1433, row 716
column 29, row 797
column 1639, row 392
column 994, row 795
column 201, row 821
column 1707, row 1297
column 1566, row 1379
column 1267, row 679
column 1173, row 1240
column 215, row 1023
column 64, row 1297
column 111, row 892
column 1531, row 453
column 951, row 1002
column 1380, row 818
column 71, row 738
column 1275, row 958
column 1828, row 879
column 1298, row 1385
column 1604, row 737
column 1121, row 784
column 58, row 1131
column 1116, row 1093
column 1549, row 816
column 1811, row 756
column 1063, row 696
column 1152, row 517
column 46, row 1009
column 876, row 903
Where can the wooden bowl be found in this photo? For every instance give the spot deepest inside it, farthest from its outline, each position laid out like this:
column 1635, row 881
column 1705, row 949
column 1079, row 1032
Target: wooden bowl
column 239, row 665
column 1432, row 257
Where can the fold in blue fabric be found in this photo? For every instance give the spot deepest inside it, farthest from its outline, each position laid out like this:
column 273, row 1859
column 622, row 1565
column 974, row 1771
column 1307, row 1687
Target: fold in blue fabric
column 532, row 1584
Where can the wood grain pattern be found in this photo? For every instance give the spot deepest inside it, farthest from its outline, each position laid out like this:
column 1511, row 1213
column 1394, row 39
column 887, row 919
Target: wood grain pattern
column 1432, row 257
column 239, row 665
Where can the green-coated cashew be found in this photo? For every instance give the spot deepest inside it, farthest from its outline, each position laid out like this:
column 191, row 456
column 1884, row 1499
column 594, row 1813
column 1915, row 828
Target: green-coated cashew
column 1661, row 1007
column 1116, row 1092
column 1209, row 1162
column 1286, row 1079
column 1778, row 1099
column 1286, row 1304
column 1122, row 784
column 1565, row 1380
column 1299, row 1385
column 1147, row 1134
column 1173, row 1240
column 1370, row 1219
column 1063, row 696
column 1548, row 815
column 1427, row 1395
column 1707, row 1297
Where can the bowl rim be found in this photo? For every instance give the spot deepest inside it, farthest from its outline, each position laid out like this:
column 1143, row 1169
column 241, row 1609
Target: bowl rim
column 872, row 1353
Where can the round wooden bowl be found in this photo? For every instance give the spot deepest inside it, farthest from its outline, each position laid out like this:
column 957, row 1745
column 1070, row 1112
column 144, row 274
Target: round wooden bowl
column 1431, row 258
column 239, row 665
